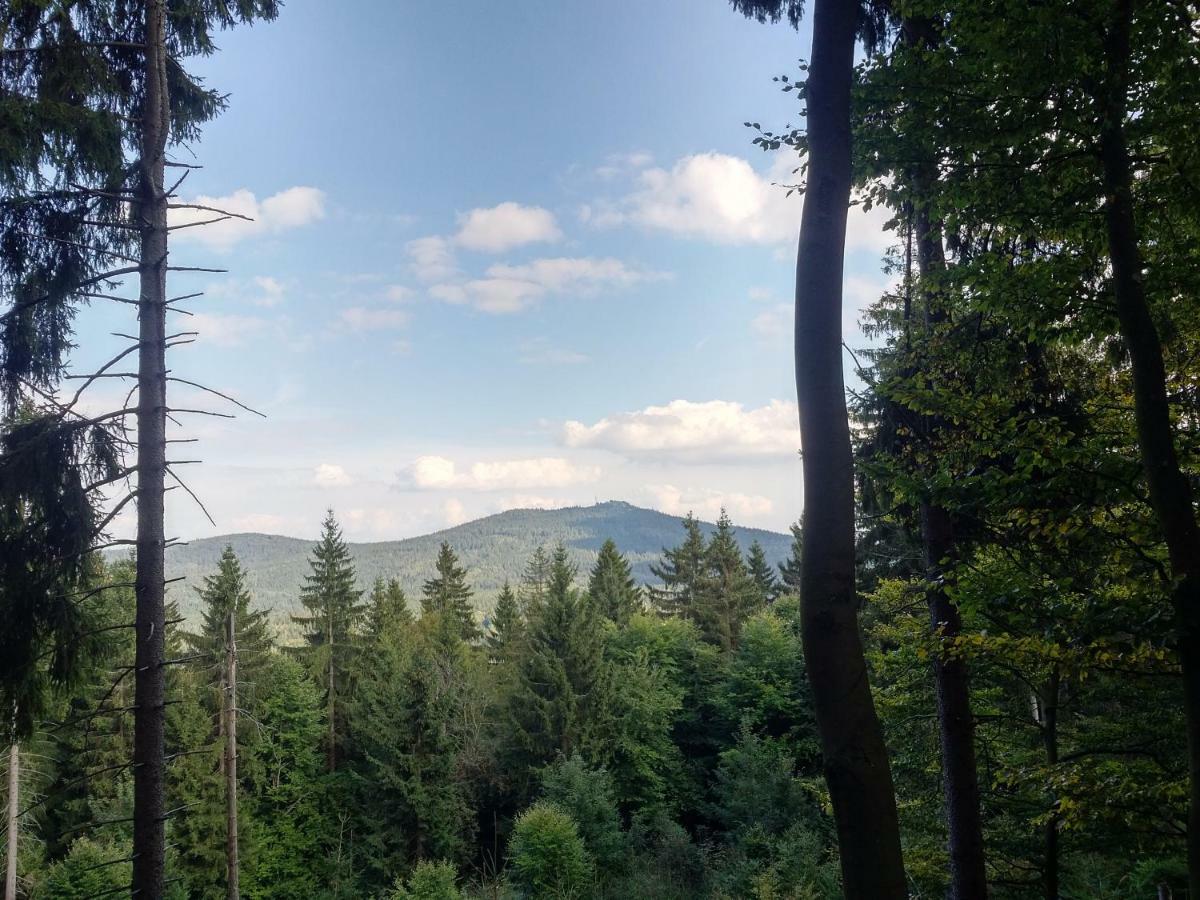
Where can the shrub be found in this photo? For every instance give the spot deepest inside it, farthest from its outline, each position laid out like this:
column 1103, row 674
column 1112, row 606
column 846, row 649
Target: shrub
column 549, row 859
column 429, row 881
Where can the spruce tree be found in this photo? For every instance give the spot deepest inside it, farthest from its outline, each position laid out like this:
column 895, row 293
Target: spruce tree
column 533, row 581
column 762, row 574
column 222, row 594
column 448, row 594
column 506, row 627
column 560, row 698
column 387, row 609
column 789, row 569
column 682, row 573
column 729, row 594
column 333, row 603
column 611, row 587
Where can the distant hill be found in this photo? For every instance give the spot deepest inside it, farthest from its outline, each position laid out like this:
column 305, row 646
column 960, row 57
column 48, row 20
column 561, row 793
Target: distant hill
column 492, row 549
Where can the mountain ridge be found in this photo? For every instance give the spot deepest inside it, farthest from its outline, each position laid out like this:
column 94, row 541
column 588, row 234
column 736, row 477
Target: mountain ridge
column 493, row 548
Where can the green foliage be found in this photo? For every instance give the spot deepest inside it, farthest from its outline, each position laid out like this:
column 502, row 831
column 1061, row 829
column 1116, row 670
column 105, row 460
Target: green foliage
column 612, row 587
column 588, row 796
column 548, row 857
column 506, row 626
column 447, row 594
column 429, row 881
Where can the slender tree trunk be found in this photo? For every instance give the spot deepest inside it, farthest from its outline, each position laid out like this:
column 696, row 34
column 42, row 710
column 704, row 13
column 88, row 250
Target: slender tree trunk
column 231, row 792
column 1169, row 489
column 855, row 757
column 331, row 759
column 14, row 808
column 149, row 682
column 1048, row 716
column 956, row 722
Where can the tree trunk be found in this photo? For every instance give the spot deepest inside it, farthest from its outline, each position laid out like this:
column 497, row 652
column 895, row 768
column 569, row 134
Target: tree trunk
column 149, row 681
column 956, row 722
column 331, row 759
column 855, row 757
column 14, row 808
column 1048, row 720
column 1168, row 487
column 231, row 792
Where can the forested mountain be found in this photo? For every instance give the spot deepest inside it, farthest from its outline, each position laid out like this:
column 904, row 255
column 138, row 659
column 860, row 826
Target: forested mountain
column 494, row 548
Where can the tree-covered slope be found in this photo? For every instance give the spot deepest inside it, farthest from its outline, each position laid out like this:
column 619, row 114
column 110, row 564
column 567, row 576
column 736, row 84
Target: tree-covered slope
column 493, row 549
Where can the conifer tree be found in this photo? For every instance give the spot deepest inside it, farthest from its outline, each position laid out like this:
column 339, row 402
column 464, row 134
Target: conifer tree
column 682, row 573
column 333, row 603
column 560, row 698
column 728, row 594
column 448, row 594
column 533, row 581
column 760, row 571
column 611, row 587
column 506, row 627
column 789, row 569
column 387, row 609
column 222, row 594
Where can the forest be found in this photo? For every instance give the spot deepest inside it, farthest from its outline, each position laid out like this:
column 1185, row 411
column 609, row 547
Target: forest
column 977, row 675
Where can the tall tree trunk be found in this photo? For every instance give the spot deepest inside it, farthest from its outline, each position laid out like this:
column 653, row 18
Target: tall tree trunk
column 231, row 792
column 149, row 677
column 1169, row 489
column 331, row 759
column 956, row 722
column 1048, row 720
column 855, row 757
column 12, row 823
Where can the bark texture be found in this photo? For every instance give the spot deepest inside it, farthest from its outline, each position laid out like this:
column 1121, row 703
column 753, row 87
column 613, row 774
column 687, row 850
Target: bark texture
column 855, row 758
column 1168, row 486
column 149, row 681
column 11, row 823
column 231, row 792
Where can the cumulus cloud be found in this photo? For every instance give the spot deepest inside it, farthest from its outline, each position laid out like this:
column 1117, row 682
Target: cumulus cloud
column 722, row 198
column 506, row 226
column 454, row 512
column 710, row 430
column 330, row 475
column 288, row 209
column 440, row 473
column 362, row 318
column 707, row 503
column 512, row 288
column 431, row 258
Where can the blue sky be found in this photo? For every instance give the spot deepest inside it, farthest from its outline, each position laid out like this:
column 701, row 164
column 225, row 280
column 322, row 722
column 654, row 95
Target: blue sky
column 517, row 254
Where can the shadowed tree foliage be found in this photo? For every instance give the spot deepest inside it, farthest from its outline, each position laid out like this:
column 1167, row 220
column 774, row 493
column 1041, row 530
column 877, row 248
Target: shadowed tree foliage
column 611, row 585
column 447, row 594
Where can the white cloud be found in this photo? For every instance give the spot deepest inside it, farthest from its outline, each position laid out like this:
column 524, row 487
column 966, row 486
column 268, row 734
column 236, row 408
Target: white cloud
column 540, row 352
column 226, row 330
column 774, row 323
column 454, row 512
column 329, row 475
column 290, row 208
column 506, row 226
column 361, row 318
column 270, row 291
column 431, row 258
column 262, row 522
column 507, row 288
column 398, row 293
column 440, row 473
column 722, row 198
column 715, row 429
column 707, row 503
column 530, row 501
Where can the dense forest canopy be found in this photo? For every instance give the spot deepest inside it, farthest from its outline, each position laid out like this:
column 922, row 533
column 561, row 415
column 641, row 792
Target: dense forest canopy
column 972, row 669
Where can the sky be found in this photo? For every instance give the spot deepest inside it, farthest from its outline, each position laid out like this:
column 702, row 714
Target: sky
column 503, row 255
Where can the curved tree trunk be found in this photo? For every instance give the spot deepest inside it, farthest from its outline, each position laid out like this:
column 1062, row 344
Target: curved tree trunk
column 1169, row 489
column 149, row 677
column 855, row 758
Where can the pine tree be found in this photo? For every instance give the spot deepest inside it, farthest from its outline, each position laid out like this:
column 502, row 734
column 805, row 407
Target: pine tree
column 448, row 594
column 387, row 609
column 789, row 569
column 611, row 587
column 682, row 572
column 762, row 574
column 223, row 593
column 560, row 698
column 333, row 602
column 506, row 627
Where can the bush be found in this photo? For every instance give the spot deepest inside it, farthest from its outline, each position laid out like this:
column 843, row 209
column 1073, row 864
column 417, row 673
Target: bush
column 587, row 796
column 429, row 881
column 549, row 859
